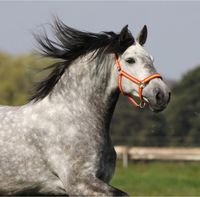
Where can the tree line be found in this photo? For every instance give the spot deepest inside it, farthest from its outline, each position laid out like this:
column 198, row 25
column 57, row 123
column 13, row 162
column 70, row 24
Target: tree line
column 178, row 125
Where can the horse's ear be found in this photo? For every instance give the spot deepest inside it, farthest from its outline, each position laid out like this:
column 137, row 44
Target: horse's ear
column 124, row 34
column 142, row 37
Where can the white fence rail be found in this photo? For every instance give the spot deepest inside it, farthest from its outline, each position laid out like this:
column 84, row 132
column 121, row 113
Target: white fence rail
column 148, row 153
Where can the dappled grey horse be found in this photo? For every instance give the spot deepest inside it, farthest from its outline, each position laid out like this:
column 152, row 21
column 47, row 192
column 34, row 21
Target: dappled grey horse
column 59, row 142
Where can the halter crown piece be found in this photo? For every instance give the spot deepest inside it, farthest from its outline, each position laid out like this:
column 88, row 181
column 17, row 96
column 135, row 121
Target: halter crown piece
column 141, row 83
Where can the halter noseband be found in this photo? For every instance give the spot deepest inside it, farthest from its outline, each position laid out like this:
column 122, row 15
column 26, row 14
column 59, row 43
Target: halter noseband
column 141, row 83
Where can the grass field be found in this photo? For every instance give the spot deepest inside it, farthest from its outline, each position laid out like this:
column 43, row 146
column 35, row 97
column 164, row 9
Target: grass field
column 159, row 179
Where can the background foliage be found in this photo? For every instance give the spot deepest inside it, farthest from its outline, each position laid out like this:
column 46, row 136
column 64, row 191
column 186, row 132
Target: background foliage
column 179, row 125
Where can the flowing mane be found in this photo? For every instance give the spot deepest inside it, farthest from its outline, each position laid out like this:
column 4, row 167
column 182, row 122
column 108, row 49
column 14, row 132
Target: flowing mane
column 71, row 44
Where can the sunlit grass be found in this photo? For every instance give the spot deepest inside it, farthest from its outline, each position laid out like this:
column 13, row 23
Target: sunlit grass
column 159, row 179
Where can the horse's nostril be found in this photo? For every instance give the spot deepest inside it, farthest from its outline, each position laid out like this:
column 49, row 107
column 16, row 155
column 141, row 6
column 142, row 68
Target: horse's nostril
column 159, row 95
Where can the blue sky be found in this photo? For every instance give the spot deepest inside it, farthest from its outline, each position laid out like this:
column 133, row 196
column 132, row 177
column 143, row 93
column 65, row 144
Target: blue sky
column 174, row 26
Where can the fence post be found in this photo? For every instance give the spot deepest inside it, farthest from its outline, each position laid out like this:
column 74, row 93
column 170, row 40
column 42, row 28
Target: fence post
column 125, row 158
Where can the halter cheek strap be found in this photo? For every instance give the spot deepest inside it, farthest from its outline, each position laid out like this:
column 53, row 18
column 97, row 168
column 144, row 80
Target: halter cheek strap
column 141, row 83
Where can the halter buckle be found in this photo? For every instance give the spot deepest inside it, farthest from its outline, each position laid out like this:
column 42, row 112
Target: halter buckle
column 142, row 85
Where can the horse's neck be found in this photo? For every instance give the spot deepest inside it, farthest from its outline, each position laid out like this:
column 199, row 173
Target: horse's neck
column 87, row 89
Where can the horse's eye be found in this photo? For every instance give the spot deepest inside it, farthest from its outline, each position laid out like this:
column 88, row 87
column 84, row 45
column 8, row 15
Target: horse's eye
column 130, row 60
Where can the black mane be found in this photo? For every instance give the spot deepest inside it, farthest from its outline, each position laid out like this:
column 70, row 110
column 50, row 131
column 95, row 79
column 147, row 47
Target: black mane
column 70, row 45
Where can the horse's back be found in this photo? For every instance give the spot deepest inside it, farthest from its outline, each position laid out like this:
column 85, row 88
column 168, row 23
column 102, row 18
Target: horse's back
column 9, row 120
column 7, row 108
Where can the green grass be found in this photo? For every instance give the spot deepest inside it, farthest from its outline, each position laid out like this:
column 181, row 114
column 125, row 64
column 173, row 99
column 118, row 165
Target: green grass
column 159, row 179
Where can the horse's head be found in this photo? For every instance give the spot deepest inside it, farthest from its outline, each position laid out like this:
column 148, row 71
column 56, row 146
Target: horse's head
column 138, row 76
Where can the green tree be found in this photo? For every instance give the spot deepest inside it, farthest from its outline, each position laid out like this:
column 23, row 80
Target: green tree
column 183, row 114
column 17, row 74
column 137, row 127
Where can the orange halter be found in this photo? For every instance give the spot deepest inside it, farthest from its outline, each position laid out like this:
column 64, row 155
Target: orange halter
column 141, row 83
